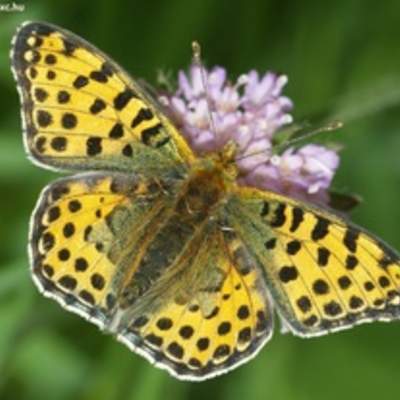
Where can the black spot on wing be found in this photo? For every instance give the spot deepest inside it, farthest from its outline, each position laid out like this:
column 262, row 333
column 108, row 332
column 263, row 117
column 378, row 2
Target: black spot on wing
column 350, row 239
column 80, row 82
column 69, row 121
column 117, row 131
column 69, row 47
column 51, row 75
column 320, row 287
column 81, row 264
column 127, row 150
column 288, row 273
column 59, row 143
column 97, row 281
column 332, row 308
column 162, row 142
column 297, row 218
column 304, row 304
column 148, row 133
column 93, row 146
column 41, row 94
column 144, row 114
column 44, row 118
column 351, row 262
column 97, row 106
column 87, row 297
column 270, row 244
column 50, row 59
column 265, row 209
column 323, row 255
column 344, row 282
column 123, row 98
column 320, row 229
column 293, row 247
column 63, row 97
column 68, row 282
column 176, row 350
column 279, row 217
column 106, row 69
column 98, row 76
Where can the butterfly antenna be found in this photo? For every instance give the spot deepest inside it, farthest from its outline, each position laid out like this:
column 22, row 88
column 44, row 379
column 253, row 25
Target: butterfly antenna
column 247, row 155
column 196, row 48
column 332, row 126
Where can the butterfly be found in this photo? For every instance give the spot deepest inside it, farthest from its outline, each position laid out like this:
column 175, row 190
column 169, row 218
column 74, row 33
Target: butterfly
column 161, row 247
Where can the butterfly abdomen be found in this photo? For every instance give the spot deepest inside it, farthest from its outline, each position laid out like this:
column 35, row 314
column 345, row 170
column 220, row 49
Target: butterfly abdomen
column 196, row 203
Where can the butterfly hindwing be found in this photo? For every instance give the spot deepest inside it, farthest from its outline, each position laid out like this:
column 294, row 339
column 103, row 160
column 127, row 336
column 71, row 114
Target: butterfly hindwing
column 208, row 316
column 81, row 110
column 82, row 233
column 324, row 273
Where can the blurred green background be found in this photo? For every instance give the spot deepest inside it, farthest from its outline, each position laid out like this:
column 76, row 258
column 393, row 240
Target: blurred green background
column 343, row 61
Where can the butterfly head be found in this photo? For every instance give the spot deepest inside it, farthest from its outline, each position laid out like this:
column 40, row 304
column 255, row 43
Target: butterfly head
column 223, row 162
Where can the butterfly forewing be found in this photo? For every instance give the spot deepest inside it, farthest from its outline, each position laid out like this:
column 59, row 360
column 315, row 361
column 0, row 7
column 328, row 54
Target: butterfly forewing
column 323, row 272
column 81, row 110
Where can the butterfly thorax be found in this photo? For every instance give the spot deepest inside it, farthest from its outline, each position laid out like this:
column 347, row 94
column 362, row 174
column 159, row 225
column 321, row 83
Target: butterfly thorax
column 200, row 194
column 209, row 181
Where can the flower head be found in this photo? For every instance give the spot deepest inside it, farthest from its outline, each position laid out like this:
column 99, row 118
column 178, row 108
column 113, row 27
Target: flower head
column 305, row 173
column 210, row 111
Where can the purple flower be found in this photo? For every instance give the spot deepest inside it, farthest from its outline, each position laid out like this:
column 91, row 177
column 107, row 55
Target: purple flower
column 305, row 173
column 210, row 111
